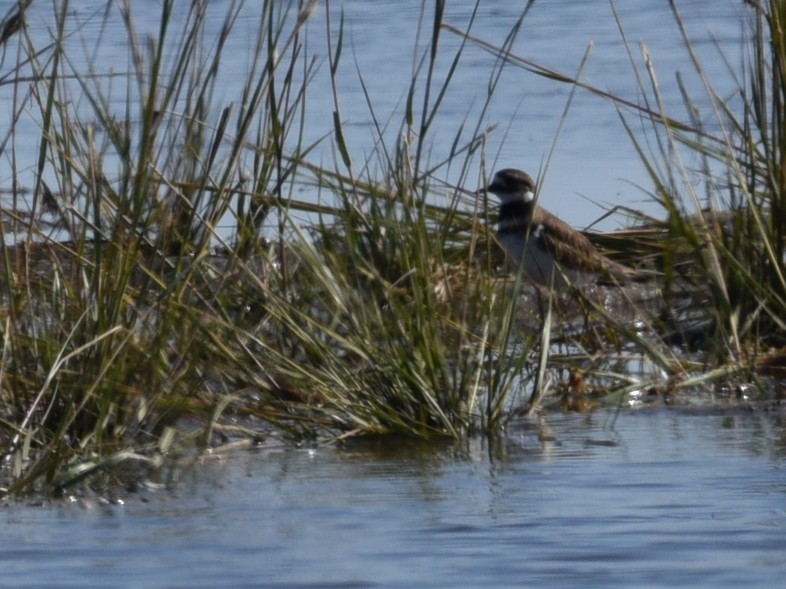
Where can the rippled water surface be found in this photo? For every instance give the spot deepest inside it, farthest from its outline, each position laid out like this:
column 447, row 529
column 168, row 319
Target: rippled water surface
column 661, row 499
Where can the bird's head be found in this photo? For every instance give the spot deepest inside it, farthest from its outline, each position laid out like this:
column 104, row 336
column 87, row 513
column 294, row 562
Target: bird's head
column 511, row 185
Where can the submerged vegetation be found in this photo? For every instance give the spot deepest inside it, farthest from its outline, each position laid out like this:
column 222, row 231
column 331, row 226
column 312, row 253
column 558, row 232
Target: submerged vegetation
column 181, row 275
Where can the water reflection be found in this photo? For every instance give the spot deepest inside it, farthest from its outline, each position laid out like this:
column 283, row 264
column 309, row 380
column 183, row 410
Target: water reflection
column 664, row 498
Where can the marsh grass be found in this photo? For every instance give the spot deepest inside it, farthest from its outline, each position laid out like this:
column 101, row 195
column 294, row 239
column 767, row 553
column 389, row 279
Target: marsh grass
column 127, row 312
column 165, row 289
column 722, row 235
column 718, row 248
column 114, row 325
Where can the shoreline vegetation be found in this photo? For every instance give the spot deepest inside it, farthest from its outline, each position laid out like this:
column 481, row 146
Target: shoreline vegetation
column 136, row 333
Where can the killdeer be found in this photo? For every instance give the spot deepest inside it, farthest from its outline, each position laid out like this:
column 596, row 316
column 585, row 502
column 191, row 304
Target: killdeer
column 551, row 252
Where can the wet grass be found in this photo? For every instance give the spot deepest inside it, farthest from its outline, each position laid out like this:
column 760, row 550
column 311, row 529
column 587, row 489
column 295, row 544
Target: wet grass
column 165, row 289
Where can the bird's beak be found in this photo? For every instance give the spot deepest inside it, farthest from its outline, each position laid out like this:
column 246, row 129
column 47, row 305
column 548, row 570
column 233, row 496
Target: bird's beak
column 485, row 190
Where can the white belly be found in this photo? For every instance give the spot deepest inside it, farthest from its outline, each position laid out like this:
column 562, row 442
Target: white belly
column 538, row 263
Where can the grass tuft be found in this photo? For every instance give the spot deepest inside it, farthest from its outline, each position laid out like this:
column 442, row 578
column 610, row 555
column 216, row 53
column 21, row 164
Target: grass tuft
column 164, row 288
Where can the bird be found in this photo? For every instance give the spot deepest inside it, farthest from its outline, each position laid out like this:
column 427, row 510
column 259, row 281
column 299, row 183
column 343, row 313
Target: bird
column 550, row 252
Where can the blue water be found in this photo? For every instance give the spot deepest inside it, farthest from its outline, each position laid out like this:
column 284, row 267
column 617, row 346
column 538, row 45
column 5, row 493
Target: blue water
column 660, row 499
column 593, row 166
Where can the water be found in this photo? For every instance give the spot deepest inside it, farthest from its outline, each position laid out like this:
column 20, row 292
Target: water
column 661, row 499
column 664, row 499
column 594, row 165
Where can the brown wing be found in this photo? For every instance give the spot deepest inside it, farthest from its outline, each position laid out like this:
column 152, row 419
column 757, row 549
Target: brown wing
column 572, row 249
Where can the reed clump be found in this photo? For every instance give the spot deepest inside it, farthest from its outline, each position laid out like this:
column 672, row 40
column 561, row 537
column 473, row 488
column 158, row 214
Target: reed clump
column 718, row 247
column 159, row 272
column 165, row 287
column 721, row 241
